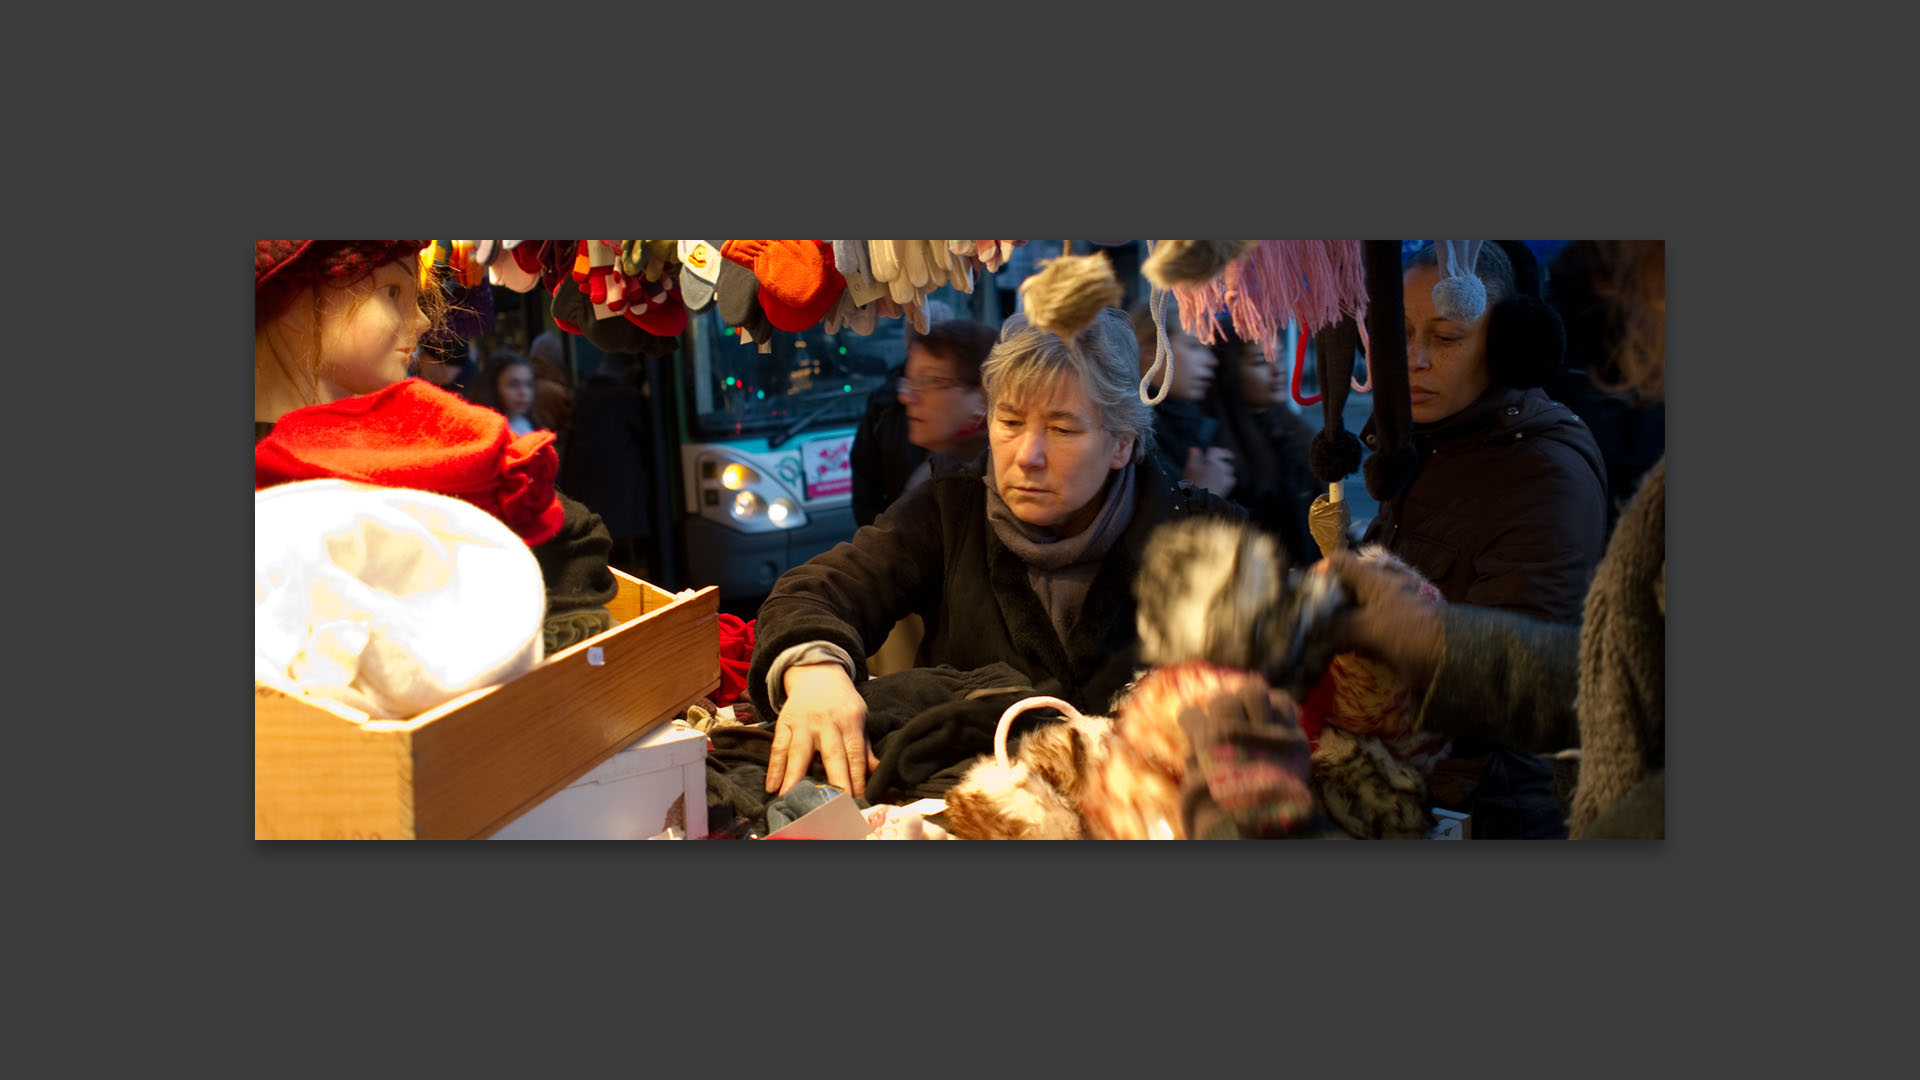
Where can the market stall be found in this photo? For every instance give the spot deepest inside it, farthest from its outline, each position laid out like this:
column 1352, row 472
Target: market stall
column 621, row 710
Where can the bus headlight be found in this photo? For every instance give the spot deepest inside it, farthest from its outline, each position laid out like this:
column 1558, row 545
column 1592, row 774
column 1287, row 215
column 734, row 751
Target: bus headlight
column 737, row 476
column 781, row 511
column 746, row 505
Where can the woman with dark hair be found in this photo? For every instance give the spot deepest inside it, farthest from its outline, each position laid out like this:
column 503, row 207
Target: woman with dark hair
column 1268, row 442
column 1509, row 507
column 505, row 385
column 1185, row 437
column 1598, row 683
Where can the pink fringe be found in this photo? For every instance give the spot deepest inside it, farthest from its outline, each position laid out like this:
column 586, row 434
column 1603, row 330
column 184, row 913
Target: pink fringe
column 1311, row 282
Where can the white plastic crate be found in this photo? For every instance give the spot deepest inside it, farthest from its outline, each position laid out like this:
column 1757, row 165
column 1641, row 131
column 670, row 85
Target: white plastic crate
column 659, row 780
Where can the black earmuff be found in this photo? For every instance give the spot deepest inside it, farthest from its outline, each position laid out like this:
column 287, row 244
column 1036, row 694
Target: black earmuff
column 1526, row 341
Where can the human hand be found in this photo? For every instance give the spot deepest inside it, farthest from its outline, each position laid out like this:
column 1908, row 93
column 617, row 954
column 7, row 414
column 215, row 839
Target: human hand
column 822, row 712
column 1390, row 618
column 1212, row 470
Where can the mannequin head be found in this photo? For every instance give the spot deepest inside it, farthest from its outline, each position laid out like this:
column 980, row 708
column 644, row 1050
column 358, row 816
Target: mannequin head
column 337, row 320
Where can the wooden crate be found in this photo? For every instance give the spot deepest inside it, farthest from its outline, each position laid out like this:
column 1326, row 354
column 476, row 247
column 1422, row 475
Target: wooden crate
column 467, row 768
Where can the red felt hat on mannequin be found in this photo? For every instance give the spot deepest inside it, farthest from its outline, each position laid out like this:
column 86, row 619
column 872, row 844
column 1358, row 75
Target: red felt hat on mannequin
column 415, row 435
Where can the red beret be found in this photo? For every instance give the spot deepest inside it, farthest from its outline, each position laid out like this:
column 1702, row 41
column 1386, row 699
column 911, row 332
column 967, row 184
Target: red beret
column 281, row 267
column 415, row 435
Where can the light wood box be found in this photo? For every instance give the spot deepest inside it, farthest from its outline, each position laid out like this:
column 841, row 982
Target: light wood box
column 322, row 771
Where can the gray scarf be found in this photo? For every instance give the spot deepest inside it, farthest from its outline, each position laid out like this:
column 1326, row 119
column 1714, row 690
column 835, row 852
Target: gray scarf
column 1060, row 569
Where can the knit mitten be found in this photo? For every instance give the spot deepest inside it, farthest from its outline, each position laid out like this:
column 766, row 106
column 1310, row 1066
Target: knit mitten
column 1249, row 768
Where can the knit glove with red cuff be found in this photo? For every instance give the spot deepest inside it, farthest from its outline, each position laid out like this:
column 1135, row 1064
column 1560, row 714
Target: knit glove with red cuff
column 1248, row 773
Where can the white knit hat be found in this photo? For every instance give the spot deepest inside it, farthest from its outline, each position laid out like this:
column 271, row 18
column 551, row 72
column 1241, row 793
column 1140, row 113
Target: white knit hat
column 389, row 600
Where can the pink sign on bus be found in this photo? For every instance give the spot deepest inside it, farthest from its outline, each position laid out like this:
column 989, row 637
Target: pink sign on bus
column 828, row 465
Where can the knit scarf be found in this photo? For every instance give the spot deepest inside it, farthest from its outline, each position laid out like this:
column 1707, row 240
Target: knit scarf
column 1060, row 568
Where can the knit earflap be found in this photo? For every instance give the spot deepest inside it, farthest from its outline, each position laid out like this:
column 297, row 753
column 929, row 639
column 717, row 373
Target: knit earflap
column 1394, row 459
column 1459, row 295
column 1526, row 341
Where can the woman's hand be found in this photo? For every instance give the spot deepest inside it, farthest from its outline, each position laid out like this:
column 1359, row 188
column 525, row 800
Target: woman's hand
column 1389, row 619
column 822, row 712
column 1212, row 470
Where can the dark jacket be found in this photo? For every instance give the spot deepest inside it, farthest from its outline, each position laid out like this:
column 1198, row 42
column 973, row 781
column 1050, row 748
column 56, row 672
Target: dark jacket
column 1178, row 428
column 882, row 459
column 1600, row 686
column 606, row 465
column 1508, row 509
column 934, row 553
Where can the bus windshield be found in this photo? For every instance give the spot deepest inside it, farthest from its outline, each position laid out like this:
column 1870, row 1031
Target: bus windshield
column 738, row 391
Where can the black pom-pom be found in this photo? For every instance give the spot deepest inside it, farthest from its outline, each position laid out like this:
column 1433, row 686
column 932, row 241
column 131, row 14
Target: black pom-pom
column 1333, row 455
column 1526, row 342
column 1390, row 471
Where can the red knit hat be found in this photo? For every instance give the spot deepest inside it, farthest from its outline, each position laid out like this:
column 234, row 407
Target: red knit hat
column 282, row 267
column 415, row 435
column 798, row 281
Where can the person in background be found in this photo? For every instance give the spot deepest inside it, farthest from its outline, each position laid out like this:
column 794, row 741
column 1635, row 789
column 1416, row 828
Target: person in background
column 552, row 385
column 607, row 461
column 1598, row 683
column 939, row 391
column 1024, row 556
column 506, row 386
column 1184, row 435
column 1269, row 444
column 449, row 366
column 1507, row 510
column 882, row 458
column 1630, row 428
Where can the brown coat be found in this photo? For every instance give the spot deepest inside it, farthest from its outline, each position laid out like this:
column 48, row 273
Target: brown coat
column 1509, row 508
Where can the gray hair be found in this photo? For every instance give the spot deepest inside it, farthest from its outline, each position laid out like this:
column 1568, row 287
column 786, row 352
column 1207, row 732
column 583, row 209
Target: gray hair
column 1105, row 356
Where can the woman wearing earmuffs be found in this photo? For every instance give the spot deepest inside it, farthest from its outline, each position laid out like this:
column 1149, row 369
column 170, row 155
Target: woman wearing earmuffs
column 1508, row 508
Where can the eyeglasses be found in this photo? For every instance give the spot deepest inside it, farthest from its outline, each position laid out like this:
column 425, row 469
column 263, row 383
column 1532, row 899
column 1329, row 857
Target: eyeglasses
column 924, row 384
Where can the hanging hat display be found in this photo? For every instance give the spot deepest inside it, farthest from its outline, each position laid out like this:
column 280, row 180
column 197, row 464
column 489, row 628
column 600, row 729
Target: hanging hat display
column 798, row 281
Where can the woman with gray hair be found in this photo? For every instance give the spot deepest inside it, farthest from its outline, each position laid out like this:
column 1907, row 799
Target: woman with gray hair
column 1023, row 556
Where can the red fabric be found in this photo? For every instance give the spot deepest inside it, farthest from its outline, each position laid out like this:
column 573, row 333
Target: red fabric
column 736, row 655
column 798, row 282
column 415, row 435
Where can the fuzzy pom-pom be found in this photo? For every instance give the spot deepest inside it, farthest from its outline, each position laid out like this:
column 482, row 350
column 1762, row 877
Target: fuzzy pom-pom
column 1333, row 455
column 1069, row 293
column 1203, row 586
column 1389, row 472
column 1192, row 262
column 1462, row 299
